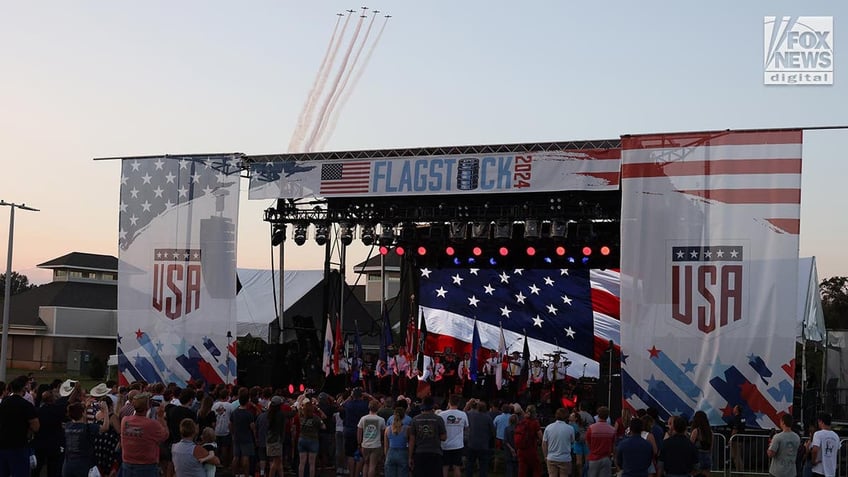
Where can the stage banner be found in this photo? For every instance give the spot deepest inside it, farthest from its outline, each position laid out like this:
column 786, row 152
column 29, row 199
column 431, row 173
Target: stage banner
column 709, row 257
column 542, row 171
column 571, row 312
column 177, row 269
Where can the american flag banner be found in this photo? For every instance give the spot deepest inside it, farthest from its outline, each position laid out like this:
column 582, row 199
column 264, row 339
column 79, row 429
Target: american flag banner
column 177, row 269
column 709, row 255
column 345, row 178
column 570, row 310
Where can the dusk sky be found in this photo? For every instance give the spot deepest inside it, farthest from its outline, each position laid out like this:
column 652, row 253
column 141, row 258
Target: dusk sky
column 89, row 79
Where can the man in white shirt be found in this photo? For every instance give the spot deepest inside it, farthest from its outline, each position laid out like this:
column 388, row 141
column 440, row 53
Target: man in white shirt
column 825, row 448
column 456, row 425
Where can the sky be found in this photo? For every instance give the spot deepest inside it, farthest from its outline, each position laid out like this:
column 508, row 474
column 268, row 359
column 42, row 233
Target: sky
column 87, row 79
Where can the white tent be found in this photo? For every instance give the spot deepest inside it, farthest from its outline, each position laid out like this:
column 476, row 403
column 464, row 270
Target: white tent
column 255, row 301
column 810, row 317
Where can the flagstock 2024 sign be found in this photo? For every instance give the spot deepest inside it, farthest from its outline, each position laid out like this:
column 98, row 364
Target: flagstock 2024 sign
column 177, row 269
column 709, row 255
column 596, row 169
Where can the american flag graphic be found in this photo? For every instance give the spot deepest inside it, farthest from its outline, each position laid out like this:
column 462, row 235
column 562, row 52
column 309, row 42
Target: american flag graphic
column 571, row 310
column 345, row 177
column 757, row 169
column 152, row 187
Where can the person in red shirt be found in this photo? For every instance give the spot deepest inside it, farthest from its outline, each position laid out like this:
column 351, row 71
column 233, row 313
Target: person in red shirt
column 528, row 457
column 140, row 439
column 600, row 437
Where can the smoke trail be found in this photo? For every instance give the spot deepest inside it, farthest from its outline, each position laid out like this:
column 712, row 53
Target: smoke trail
column 311, row 141
column 317, row 85
column 342, row 87
column 334, row 119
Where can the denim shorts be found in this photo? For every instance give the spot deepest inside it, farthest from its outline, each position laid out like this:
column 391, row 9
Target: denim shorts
column 307, row 445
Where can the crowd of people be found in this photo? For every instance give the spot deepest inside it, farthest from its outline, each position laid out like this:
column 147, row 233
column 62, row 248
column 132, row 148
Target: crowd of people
column 62, row 429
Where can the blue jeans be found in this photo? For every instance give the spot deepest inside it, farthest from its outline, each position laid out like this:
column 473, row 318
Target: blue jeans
column 397, row 463
column 139, row 470
column 481, row 456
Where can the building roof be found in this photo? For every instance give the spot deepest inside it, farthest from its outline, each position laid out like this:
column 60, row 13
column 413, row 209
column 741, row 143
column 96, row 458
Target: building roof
column 24, row 306
column 391, row 261
column 83, row 261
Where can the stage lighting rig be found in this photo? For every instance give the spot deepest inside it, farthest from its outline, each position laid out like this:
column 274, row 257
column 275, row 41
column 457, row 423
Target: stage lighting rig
column 480, row 230
column 503, row 230
column 367, row 235
column 458, row 230
column 532, row 229
column 300, row 234
column 387, row 233
column 346, row 233
column 278, row 234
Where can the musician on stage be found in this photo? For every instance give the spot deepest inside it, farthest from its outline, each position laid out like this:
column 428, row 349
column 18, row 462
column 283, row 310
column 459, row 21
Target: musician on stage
column 537, row 376
column 451, row 371
column 437, row 376
column 556, row 376
column 514, row 371
column 399, row 367
column 381, row 372
column 487, row 386
column 464, row 382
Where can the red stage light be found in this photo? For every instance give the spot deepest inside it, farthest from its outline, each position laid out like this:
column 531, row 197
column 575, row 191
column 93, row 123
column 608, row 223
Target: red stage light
column 560, row 250
column 531, row 251
column 587, row 251
column 291, row 388
column 449, row 251
column 503, row 251
column 422, row 250
column 384, row 250
column 400, row 250
column 301, row 387
column 605, row 250
column 477, row 251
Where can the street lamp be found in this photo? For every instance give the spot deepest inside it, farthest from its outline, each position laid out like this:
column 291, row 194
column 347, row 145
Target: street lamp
column 4, row 344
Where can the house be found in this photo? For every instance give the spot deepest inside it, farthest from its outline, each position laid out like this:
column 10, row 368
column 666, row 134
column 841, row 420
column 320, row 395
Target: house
column 69, row 322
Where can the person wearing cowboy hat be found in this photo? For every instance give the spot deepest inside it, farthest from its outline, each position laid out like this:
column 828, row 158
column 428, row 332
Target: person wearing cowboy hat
column 141, row 437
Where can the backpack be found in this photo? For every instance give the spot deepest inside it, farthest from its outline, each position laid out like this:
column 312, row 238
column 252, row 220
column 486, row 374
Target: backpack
column 524, row 436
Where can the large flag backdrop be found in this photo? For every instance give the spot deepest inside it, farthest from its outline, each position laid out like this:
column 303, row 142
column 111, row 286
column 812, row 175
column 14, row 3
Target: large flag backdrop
column 575, row 311
column 709, row 234
column 177, row 269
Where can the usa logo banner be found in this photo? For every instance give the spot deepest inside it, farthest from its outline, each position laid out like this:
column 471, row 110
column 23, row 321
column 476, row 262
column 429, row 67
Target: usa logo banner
column 177, row 269
column 709, row 234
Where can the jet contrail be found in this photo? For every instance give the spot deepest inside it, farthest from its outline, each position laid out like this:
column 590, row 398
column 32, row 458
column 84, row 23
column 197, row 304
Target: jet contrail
column 335, row 85
column 317, row 86
column 343, row 86
column 334, row 118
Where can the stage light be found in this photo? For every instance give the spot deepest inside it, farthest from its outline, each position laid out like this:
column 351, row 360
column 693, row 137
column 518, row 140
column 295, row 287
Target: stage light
column 587, row 251
column 532, row 229
column 387, row 233
column 300, row 234
column 477, row 251
column 531, row 251
column 345, row 233
column 367, row 235
column 278, row 235
column 384, row 250
column 503, row 251
column 456, row 261
column 480, row 230
column 503, row 230
column 605, row 250
column 571, row 260
column 560, row 250
column 322, row 232
column 493, row 262
column 585, row 260
column 450, row 251
column 548, row 260
column 472, row 260
column 400, row 251
column 458, row 230
column 422, row 250
column 559, row 229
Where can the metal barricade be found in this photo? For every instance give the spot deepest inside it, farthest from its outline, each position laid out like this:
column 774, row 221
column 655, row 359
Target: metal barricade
column 842, row 459
column 718, row 454
column 747, row 455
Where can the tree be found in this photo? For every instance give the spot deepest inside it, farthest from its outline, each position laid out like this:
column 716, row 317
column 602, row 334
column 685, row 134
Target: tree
column 20, row 283
column 834, row 295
